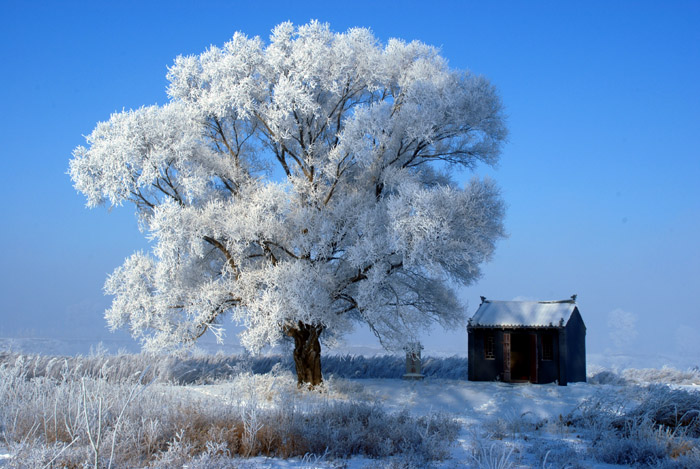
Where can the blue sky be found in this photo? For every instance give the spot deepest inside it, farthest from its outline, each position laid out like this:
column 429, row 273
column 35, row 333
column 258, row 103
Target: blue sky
column 600, row 174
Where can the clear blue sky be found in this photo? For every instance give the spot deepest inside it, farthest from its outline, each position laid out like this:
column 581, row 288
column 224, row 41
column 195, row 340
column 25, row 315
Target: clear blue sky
column 600, row 175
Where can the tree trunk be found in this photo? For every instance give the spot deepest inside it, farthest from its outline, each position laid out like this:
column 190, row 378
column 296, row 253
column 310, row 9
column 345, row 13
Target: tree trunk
column 307, row 353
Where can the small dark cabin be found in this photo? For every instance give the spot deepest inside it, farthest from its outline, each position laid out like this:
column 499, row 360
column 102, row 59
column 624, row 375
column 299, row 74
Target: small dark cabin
column 527, row 341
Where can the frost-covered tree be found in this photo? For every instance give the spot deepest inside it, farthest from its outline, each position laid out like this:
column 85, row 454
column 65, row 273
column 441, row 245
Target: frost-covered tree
column 300, row 187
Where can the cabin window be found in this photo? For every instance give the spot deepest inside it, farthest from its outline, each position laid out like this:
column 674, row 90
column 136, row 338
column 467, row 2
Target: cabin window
column 489, row 347
column 547, row 347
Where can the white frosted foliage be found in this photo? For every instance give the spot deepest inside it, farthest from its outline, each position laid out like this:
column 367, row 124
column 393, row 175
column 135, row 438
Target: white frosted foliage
column 307, row 180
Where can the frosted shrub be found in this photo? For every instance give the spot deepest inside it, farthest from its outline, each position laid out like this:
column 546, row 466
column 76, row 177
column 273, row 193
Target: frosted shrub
column 360, row 367
column 34, row 454
column 653, row 425
column 646, row 451
column 510, row 423
column 270, row 387
column 62, row 419
column 674, row 409
column 496, row 428
column 687, row 459
column 123, row 368
column 392, row 366
column 598, row 412
column 178, row 453
column 445, row 367
column 555, row 454
column 494, row 456
column 665, row 375
column 360, row 428
column 606, row 377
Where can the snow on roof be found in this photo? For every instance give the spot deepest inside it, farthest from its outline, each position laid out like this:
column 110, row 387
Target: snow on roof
column 523, row 313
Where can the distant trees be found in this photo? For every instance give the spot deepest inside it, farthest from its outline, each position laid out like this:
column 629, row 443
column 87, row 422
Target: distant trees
column 300, row 187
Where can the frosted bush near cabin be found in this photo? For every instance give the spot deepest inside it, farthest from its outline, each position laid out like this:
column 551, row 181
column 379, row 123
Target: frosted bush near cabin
column 653, row 425
column 300, row 187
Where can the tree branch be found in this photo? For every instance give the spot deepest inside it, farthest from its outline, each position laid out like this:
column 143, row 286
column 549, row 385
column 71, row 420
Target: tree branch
column 229, row 258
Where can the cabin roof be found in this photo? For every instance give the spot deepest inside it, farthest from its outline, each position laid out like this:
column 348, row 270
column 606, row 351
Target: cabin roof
column 523, row 313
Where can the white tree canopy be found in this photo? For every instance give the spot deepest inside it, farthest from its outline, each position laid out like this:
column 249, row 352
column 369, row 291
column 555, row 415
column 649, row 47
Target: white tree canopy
column 306, row 180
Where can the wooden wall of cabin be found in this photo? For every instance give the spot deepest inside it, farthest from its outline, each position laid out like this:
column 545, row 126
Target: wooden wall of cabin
column 481, row 368
column 576, row 343
column 548, row 364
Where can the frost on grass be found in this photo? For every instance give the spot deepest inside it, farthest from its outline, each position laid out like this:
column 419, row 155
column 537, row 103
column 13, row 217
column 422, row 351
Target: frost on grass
column 253, row 407
column 625, row 424
column 664, row 375
column 204, row 369
column 654, row 425
column 76, row 420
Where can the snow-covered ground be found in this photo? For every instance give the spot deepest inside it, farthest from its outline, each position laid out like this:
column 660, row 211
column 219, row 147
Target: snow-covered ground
column 474, row 404
column 527, row 415
column 514, row 425
column 470, row 401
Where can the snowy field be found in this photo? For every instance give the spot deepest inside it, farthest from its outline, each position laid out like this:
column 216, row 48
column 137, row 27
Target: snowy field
column 222, row 411
column 480, row 409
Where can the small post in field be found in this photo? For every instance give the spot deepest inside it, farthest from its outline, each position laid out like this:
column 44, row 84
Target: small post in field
column 413, row 361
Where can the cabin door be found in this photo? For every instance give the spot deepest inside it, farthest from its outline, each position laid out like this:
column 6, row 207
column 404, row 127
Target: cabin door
column 534, row 359
column 523, row 357
column 506, row 357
